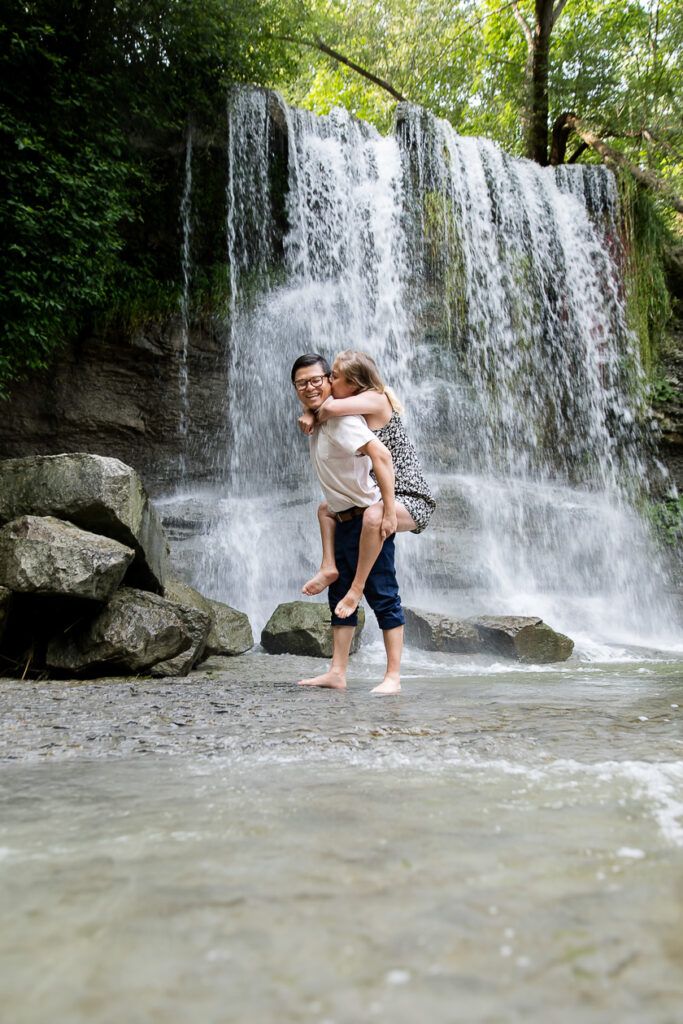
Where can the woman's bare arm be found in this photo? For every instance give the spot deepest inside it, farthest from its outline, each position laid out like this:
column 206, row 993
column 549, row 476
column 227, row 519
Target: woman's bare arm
column 364, row 404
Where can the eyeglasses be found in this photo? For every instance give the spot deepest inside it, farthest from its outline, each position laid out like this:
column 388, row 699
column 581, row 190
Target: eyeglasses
column 315, row 382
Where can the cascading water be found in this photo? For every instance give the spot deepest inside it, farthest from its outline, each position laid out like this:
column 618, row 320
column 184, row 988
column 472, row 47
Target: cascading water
column 487, row 289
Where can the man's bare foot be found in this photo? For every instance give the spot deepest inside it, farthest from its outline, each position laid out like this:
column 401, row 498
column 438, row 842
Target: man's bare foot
column 320, row 581
column 390, row 684
column 332, row 680
column 348, row 604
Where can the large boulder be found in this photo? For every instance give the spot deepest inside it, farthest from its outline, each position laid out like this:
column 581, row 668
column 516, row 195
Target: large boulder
column 136, row 632
column 303, row 627
column 432, row 631
column 230, row 632
column 5, row 603
column 96, row 493
column 524, row 637
column 44, row 555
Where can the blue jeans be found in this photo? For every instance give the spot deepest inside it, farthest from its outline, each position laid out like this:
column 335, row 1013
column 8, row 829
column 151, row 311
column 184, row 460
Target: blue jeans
column 381, row 589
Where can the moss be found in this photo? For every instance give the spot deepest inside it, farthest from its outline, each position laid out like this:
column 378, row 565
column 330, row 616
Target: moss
column 647, row 235
column 666, row 519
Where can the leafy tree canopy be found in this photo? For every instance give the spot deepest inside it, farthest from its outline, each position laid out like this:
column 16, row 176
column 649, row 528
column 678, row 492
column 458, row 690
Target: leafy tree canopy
column 615, row 65
column 85, row 87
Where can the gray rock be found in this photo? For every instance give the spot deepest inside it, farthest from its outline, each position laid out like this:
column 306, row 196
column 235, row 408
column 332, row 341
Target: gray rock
column 98, row 494
column 135, row 632
column 44, row 555
column 302, row 627
column 182, row 593
column 432, row 631
column 5, row 602
column 525, row 638
column 230, row 632
column 197, row 624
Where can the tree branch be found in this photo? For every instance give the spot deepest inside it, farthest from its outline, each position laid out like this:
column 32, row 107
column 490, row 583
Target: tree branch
column 329, row 52
column 523, row 23
column 611, row 155
column 317, row 44
column 557, row 10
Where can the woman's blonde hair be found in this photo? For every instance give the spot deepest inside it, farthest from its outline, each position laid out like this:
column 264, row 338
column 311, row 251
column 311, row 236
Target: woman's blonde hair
column 360, row 369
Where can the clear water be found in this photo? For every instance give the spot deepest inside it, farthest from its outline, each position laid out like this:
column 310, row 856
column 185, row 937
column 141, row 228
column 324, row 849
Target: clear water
column 495, row 844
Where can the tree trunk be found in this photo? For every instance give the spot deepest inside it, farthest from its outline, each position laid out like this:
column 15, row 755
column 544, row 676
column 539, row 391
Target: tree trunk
column 535, row 114
column 537, row 139
column 561, row 132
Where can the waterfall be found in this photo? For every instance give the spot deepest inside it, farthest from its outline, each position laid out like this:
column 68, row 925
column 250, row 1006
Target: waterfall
column 488, row 291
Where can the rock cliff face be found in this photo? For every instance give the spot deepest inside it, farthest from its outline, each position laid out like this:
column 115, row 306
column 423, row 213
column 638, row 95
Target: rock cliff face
column 120, row 395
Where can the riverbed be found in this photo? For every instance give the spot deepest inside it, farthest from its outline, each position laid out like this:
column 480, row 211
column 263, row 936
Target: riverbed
column 497, row 843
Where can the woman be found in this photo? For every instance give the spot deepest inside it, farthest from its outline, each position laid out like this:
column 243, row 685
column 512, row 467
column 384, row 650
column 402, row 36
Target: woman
column 358, row 390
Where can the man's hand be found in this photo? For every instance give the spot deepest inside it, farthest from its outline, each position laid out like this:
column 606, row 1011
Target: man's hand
column 306, row 423
column 389, row 524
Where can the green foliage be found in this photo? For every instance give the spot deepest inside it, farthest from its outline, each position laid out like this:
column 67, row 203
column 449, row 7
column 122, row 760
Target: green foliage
column 647, row 236
column 93, row 100
column 616, row 66
column 666, row 517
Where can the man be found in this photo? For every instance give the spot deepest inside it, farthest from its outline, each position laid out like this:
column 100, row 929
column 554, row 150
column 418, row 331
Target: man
column 337, row 448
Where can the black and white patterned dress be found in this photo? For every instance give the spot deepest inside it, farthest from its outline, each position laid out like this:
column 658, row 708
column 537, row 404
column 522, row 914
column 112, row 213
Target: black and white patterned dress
column 411, row 488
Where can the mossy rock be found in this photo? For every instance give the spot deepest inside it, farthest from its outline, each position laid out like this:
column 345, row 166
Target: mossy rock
column 304, row 627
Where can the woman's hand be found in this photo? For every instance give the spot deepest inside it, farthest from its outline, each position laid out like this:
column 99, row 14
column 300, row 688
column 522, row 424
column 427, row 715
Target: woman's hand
column 306, row 423
column 389, row 524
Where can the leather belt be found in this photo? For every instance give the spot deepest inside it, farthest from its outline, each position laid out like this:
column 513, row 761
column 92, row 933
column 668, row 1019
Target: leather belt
column 348, row 513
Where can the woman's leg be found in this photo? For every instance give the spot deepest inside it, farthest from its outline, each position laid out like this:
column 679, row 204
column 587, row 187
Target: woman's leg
column 368, row 550
column 327, row 573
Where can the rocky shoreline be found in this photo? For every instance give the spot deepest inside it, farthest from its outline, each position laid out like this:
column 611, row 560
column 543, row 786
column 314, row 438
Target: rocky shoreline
column 85, row 589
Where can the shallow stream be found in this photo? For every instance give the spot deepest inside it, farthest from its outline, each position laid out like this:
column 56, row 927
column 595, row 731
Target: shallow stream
column 497, row 843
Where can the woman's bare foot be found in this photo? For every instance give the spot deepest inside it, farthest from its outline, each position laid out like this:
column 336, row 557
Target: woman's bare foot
column 333, row 680
column 319, row 582
column 348, row 603
column 390, row 684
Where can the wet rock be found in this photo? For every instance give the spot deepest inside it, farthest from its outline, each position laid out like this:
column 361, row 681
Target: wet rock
column 303, row 627
column 98, row 494
column 44, row 555
column 525, row 638
column 5, row 604
column 135, row 632
column 230, row 632
column 432, row 631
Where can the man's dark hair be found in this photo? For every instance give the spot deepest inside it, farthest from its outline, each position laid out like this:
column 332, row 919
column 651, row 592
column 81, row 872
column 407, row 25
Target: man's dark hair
column 310, row 359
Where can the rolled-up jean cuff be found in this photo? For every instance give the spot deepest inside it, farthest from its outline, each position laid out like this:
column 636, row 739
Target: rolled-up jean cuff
column 391, row 621
column 351, row 621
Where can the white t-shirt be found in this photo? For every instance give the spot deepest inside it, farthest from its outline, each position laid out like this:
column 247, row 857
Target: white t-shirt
column 343, row 475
